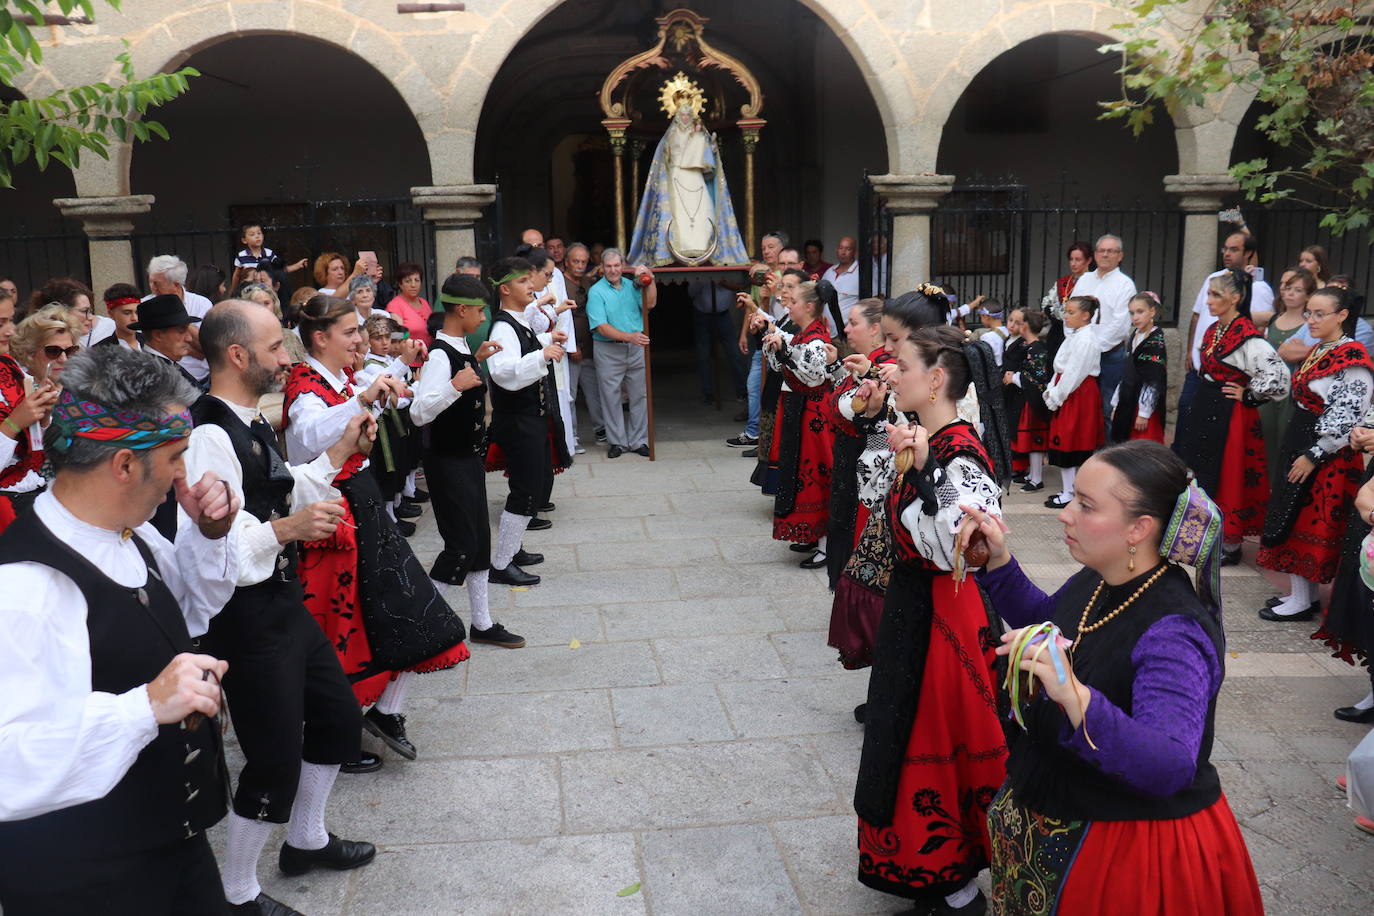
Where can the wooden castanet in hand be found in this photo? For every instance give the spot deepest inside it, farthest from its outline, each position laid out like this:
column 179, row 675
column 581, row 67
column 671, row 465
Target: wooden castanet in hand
column 977, row 552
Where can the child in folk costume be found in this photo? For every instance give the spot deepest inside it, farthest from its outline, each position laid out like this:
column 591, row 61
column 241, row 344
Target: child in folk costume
column 1026, row 375
column 1309, row 508
column 803, row 444
column 1138, row 403
column 858, row 605
column 1112, row 804
column 391, row 462
column 1221, row 439
column 933, row 751
column 864, row 331
column 526, row 437
column 363, row 585
column 1074, row 396
column 451, row 400
column 552, row 310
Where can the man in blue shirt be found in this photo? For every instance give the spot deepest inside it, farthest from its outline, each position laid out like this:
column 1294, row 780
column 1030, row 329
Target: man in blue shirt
column 617, row 319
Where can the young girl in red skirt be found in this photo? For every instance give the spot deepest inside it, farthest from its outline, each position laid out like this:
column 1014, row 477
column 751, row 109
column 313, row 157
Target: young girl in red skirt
column 1112, row 804
column 365, row 575
column 1309, row 509
column 934, row 750
column 1138, row 402
column 1222, row 439
column 1074, row 397
column 1027, row 365
column 803, row 442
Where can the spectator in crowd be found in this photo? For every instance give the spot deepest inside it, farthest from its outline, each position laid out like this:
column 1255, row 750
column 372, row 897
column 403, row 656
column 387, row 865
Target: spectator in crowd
column 1284, row 334
column 533, row 238
column 206, row 280
column 813, row 259
column 374, row 270
column 1313, row 259
column 121, row 302
column 577, row 262
column 7, row 285
column 995, row 334
column 167, row 276
column 1080, row 261
column 760, row 296
column 878, row 255
column 27, row 400
column 332, row 274
column 1112, row 322
column 77, row 297
column 557, row 250
column 165, row 326
column 844, row 273
column 712, row 325
column 409, row 307
column 614, row 313
column 468, row 266
column 362, row 292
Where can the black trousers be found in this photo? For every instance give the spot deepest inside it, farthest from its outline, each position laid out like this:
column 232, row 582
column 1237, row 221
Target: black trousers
column 288, row 697
column 524, row 440
column 458, row 492
column 179, row 879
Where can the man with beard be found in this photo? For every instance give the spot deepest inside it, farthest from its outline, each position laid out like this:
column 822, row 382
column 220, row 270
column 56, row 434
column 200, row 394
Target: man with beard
column 293, row 709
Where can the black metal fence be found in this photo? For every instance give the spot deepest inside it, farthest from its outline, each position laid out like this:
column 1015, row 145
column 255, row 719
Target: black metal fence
column 875, row 237
column 30, row 260
column 1284, row 233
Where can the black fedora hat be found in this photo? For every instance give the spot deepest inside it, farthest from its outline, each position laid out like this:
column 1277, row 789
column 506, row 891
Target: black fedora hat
column 161, row 312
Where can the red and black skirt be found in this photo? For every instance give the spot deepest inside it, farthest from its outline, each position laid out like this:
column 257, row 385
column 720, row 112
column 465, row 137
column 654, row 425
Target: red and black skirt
column 1032, row 430
column 1076, row 427
column 804, row 447
column 1224, row 445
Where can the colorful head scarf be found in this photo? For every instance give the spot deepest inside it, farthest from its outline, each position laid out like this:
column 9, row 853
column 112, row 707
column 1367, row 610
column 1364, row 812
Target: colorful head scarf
column 1193, row 538
column 78, row 419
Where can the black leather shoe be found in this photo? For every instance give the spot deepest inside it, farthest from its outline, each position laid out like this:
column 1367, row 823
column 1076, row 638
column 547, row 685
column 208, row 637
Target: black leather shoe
column 496, row 635
column 1054, row 502
column 1231, row 558
column 615, row 451
column 861, row 713
column 1268, row 613
column 340, row 855
column 406, row 528
column 1029, row 487
column 643, row 450
column 1355, row 714
column 816, row 561
column 804, row 548
column 600, row 433
column 547, row 507
column 421, row 496
column 1019, row 477
column 513, row 576
column 263, row 905
column 525, row 558
column 752, row 453
column 391, row 728
column 538, row 524
column 367, row 763
column 408, row 510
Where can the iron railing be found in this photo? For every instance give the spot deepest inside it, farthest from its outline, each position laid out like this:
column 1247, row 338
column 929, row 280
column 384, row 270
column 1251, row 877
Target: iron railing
column 30, row 260
column 875, row 237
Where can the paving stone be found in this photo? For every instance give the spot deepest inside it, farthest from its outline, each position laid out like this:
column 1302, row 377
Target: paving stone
column 728, row 581
column 699, row 617
column 736, row 782
column 545, row 626
column 696, row 552
column 564, row 875
column 718, row 658
column 766, row 709
column 717, row 870
column 807, row 654
column 670, row 714
column 823, row 854
column 538, row 669
column 560, row 589
column 506, row 725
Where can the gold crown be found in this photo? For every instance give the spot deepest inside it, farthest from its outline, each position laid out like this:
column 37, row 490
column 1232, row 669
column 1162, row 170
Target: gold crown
column 680, row 89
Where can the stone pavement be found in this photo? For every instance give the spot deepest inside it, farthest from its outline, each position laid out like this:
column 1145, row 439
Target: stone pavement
column 678, row 723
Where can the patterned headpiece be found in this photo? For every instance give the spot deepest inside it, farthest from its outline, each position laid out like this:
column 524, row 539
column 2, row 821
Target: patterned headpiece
column 78, row 419
column 1193, row 538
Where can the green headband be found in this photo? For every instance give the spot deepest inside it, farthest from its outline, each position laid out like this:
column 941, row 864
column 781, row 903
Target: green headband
column 513, row 275
column 461, row 300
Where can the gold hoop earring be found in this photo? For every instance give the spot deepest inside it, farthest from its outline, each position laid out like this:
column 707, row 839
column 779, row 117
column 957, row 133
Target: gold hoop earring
column 1130, row 567
column 932, row 396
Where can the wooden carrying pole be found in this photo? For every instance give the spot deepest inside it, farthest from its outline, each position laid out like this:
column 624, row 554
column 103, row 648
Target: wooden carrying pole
column 648, row 375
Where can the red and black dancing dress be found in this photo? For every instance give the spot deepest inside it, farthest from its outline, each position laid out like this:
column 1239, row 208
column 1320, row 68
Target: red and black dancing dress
column 848, row 514
column 363, row 584
column 1025, row 399
column 1305, row 522
column 803, row 442
column 934, row 751
column 1221, row 438
column 1141, row 393
column 24, row 459
column 1075, row 398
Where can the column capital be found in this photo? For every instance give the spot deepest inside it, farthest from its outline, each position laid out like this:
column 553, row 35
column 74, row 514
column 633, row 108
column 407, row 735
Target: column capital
column 105, row 217
column 1201, row 192
column 912, row 193
column 453, row 205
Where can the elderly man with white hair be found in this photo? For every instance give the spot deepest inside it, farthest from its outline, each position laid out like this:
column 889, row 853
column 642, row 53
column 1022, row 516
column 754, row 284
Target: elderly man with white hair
column 167, row 275
column 1112, row 323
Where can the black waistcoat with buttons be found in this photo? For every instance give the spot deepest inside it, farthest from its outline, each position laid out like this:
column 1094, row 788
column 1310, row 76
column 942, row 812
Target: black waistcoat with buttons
column 460, row 429
column 175, row 787
column 267, row 480
column 527, row 400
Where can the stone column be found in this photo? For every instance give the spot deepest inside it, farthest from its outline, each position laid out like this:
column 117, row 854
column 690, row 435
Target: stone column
column 454, row 210
column 910, row 198
column 108, row 223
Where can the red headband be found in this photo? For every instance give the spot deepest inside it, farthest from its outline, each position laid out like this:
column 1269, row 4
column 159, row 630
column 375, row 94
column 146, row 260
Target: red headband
column 126, row 300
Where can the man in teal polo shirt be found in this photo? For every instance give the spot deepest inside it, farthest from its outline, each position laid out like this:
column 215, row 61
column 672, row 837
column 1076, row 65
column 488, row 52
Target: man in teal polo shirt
column 614, row 311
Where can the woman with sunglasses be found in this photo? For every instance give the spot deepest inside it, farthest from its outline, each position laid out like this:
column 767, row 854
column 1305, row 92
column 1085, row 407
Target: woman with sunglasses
column 1319, row 474
column 34, row 354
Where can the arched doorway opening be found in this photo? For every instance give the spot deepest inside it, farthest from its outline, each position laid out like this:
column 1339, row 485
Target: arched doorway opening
column 1036, row 170
column 291, row 131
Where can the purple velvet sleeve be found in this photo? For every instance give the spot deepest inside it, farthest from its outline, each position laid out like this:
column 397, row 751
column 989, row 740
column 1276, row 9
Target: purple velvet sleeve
column 1015, row 598
column 1154, row 749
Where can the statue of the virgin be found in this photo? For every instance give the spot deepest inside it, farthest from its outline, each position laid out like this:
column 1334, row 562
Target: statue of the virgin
column 686, row 216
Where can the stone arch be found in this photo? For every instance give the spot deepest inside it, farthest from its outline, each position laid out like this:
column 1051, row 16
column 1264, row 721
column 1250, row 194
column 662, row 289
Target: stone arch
column 160, row 43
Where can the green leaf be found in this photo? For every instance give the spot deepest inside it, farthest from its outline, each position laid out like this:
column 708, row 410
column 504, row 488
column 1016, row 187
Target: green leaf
column 628, row 891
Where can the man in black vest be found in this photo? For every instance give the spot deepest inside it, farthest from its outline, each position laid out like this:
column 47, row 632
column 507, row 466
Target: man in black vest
column 109, row 771
column 451, row 400
column 293, row 710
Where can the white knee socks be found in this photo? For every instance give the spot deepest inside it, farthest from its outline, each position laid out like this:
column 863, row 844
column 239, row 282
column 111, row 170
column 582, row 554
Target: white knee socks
column 306, row 830
column 1069, row 475
column 1036, row 474
column 963, row 896
column 393, row 698
column 241, row 853
column 409, row 489
column 1301, row 596
column 508, row 537
column 1367, row 702
column 477, row 600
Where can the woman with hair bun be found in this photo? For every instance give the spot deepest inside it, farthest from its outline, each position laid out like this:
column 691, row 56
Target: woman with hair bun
column 933, row 750
column 1221, row 438
column 1074, row 397
column 1111, row 794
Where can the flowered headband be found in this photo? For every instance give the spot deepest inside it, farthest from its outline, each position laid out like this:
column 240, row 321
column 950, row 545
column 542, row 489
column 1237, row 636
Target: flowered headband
column 78, row 419
column 1193, row 538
